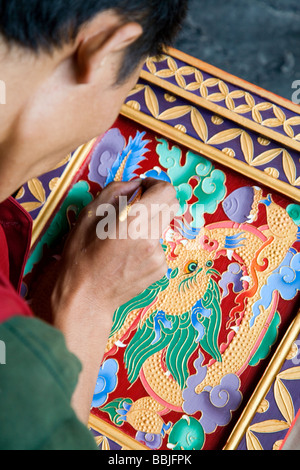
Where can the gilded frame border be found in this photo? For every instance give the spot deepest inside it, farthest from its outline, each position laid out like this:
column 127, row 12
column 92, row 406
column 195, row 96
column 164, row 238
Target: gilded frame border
column 176, row 135
column 103, row 428
column 55, row 197
column 227, row 113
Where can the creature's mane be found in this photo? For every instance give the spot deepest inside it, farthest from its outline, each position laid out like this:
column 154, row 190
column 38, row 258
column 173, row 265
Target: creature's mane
column 178, row 337
column 139, row 302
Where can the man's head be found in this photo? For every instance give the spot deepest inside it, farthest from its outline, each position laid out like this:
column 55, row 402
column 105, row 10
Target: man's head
column 68, row 66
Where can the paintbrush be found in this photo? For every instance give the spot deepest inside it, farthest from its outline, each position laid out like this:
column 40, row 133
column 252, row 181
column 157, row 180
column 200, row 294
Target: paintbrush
column 133, row 200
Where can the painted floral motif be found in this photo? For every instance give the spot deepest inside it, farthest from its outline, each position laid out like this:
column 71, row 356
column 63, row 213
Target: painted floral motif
column 113, row 160
column 128, row 161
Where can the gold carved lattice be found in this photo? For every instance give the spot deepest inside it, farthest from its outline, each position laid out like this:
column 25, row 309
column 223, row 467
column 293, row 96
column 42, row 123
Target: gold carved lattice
column 224, row 95
column 201, row 128
column 38, row 191
column 285, row 405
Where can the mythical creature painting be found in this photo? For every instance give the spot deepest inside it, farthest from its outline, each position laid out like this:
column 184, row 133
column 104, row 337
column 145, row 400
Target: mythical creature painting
column 182, row 356
column 188, row 338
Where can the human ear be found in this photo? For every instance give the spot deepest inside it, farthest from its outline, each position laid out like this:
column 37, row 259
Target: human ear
column 96, row 49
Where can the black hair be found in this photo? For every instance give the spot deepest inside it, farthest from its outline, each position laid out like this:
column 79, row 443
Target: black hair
column 42, row 25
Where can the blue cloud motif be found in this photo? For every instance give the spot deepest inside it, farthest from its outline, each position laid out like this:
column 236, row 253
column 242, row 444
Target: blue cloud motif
column 285, row 280
column 106, row 382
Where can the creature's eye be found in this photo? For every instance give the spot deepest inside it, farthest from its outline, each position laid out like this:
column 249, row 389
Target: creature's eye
column 190, row 267
column 209, row 264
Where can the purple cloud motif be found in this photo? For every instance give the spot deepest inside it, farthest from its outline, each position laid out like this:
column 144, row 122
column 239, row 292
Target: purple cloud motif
column 215, row 403
column 105, row 155
column 232, row 276
column 152, row 441
column 106, row 382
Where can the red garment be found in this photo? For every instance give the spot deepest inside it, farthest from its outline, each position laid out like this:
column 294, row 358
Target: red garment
column 15, row 236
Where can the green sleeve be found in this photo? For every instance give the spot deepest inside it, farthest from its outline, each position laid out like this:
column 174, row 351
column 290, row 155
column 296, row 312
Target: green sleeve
column 36, row 386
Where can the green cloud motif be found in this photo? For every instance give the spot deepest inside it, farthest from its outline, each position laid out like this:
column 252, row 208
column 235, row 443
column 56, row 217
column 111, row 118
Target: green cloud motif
column 210, row 189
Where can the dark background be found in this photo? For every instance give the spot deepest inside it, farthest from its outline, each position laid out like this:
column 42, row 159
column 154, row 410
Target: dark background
column 257, row 40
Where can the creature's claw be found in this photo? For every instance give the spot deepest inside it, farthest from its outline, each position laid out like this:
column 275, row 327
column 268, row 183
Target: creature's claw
column 235, row 328
column 246, row 278
column 250, row 219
